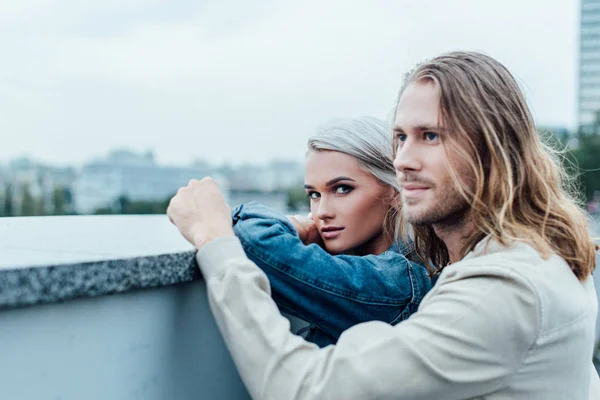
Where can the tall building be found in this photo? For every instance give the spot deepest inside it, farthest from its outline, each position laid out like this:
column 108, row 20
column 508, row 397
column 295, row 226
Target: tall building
column 589, row 66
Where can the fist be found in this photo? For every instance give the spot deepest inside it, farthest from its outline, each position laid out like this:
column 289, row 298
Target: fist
column 199, row 211
column 306, row 228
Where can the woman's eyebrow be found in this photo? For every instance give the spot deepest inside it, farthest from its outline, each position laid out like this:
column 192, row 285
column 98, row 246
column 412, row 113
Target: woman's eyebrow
column 338, row 179
column 332, row 181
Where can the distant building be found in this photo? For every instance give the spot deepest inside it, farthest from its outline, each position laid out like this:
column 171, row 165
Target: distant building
column 101, row 183
column 38, row 179
column 275, row 176
column 589, row 67
column 138, row 177
column 287, row 174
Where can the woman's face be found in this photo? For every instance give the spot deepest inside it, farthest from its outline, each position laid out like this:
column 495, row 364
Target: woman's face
column 348, row 205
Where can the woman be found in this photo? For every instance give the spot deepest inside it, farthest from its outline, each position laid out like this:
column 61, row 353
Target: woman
column 346, row 265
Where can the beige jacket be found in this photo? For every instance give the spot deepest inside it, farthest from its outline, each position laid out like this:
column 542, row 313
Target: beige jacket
column 500, row 324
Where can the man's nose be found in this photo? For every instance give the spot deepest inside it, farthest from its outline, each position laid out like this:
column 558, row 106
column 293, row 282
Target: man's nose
column 408, row 158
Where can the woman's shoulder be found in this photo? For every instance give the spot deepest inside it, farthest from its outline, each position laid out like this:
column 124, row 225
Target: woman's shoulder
column 254, row 209
column 403, row 247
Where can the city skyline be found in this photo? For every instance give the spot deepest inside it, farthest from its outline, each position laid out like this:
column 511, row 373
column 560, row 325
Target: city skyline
column 139, row 153
column 128, row 182
column 236, row 82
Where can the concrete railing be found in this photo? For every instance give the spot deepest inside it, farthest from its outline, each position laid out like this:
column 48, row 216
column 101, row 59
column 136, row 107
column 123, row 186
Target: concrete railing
column 107, row 307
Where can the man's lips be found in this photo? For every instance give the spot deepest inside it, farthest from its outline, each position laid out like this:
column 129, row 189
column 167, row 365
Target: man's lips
column 330, row 232
column 413, row 189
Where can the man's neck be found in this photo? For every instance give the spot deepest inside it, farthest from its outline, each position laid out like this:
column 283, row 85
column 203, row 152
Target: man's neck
column 453, row 234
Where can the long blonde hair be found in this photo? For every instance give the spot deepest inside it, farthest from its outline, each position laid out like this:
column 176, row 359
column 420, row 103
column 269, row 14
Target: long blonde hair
column 521, row 190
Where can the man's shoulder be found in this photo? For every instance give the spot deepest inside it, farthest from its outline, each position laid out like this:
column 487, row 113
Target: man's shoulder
column 548, row 280
column 517, row 260
column 517, row 257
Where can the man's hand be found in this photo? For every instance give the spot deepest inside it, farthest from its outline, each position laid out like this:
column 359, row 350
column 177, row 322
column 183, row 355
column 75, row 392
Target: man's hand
column 200, row 213
column 306, row 228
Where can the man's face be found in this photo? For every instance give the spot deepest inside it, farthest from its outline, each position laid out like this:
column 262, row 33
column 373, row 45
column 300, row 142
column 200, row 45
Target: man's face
column 429, row 195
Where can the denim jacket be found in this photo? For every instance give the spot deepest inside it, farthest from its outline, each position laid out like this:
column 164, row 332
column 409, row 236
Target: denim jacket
column 331, row 292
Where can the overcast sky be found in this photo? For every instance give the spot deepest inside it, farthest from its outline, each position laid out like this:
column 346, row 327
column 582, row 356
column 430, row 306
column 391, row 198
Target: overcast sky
column 242, row 80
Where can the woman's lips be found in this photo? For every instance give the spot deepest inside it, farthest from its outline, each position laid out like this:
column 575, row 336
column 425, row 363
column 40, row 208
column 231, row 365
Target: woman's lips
column 330, row 233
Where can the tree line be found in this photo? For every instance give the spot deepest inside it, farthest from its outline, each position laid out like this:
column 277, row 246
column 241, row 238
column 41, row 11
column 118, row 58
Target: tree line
column 21, row 202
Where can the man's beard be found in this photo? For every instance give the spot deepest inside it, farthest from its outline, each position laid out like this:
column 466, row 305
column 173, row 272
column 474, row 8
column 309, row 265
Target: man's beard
column 449, row 209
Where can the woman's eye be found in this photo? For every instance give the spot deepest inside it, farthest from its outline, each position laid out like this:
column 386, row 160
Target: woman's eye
column 401, row 137
column 313, row 195
column 431, row 136
column 343, row 189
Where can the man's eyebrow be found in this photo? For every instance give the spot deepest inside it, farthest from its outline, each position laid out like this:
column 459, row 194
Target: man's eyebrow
column 421, row 127
column 426, row 127
column 333, row 181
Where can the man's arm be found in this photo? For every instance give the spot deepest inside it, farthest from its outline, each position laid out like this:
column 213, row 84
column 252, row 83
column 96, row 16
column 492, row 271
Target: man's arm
column 462, row 343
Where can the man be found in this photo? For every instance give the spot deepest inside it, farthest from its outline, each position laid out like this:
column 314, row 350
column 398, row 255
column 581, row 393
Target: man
column 513, row 311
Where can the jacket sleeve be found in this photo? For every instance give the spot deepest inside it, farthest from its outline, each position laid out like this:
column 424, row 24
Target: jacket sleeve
column 332, row 292
column 464, row 342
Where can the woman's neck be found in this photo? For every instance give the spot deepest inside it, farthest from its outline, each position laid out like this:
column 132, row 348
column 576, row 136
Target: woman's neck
column 375, row 246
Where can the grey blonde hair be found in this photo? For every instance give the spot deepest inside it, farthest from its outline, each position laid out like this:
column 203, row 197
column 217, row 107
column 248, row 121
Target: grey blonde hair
column 369, row 141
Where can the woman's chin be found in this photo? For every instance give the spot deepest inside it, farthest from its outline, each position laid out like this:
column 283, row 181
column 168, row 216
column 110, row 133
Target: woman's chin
column 336, row 248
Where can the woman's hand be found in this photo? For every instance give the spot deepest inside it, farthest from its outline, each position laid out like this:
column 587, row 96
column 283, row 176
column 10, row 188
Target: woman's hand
column 306, row 228
column 200, row 213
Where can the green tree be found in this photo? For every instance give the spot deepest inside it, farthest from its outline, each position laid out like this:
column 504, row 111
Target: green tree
column 28, row 206
column 122, row 204
column 60, row 200
column 296, row 198
column 68, row 200
column 104, row 211
column 3, row 195
column 586, row 160
column 7, row 207
column 145, row 207
column 125, row 206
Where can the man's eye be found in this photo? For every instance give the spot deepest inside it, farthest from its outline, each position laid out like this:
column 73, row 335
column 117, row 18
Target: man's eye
column 431, row 135
column 343, row 189
column 313, row 195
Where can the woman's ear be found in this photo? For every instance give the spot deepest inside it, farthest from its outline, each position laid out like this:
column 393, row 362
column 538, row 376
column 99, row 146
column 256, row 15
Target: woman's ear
column 391, row 196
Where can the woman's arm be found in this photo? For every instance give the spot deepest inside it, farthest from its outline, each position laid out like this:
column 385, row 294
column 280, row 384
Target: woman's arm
column 332, row 292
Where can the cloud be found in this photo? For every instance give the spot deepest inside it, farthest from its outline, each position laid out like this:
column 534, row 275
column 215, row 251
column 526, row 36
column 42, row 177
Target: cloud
column 248, row 81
